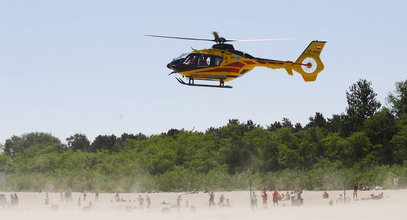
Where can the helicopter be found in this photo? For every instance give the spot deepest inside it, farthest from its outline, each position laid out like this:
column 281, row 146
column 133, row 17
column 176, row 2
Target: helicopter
column 223, row 63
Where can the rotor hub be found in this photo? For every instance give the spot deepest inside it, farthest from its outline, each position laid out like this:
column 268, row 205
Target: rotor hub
column 309, row 65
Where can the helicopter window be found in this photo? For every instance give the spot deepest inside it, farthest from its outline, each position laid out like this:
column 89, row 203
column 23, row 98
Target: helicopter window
column 191, row 59
column 204, row 60
column 218, row 60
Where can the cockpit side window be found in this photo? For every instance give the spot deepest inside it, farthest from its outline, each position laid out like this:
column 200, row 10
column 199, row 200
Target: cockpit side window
column 217, row 61
column 202, row 60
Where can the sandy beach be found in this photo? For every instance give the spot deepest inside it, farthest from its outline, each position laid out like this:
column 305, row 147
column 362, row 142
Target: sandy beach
column 32, row 205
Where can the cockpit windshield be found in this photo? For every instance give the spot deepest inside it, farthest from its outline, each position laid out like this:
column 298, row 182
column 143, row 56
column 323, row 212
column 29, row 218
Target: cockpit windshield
column 182, row 56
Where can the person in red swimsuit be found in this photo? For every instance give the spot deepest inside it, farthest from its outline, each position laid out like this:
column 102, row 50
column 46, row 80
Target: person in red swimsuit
column 275, row 198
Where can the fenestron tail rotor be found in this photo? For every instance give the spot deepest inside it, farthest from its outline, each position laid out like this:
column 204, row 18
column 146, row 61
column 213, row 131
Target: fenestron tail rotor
column 310, row 62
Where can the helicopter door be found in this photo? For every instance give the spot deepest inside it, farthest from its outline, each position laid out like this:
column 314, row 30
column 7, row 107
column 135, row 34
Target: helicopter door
column 208, row 60
column 204, row 61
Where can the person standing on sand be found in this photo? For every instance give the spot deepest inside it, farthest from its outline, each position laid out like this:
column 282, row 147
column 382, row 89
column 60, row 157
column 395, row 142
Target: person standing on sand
column 211, row 199
column 68, row 196
column 179, row 202
column 253, row 201
column 275, row 198
column 264, row 197
column 355, row 191
column 148, row 200
column 221, row 200
column 140, row 201
column 117, row 197
column 96, row 195
column 46, row 198
column 15, row 199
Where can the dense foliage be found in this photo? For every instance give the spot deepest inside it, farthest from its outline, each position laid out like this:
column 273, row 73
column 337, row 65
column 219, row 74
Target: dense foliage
column 365, row 145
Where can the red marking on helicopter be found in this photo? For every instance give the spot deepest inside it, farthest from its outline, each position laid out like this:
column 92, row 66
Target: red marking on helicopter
column 249, row 62
column 220, row 70
column 236, row 64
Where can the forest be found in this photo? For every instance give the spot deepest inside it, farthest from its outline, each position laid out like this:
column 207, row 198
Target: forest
column 366, row 144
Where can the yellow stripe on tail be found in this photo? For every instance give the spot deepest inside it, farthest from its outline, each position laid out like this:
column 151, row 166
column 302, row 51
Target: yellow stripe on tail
column 309, row 64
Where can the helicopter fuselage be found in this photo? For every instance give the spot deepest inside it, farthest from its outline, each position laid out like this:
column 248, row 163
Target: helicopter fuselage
column 220, row 63
column 223, row 63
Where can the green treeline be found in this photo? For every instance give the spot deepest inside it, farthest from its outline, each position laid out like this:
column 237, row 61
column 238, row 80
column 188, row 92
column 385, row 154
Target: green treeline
column 366, row 145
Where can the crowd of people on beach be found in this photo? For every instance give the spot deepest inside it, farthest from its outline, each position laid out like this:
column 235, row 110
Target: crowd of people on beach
column 13, row 201
column 223, row 202
column 356, row 187
column 293, row 198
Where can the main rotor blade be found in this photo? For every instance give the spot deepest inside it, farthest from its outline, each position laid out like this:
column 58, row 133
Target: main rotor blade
column 180, row 38
column 265, row 39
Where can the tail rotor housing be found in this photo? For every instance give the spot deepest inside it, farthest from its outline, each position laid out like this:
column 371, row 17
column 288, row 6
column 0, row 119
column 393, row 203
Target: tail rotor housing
column 309, row 63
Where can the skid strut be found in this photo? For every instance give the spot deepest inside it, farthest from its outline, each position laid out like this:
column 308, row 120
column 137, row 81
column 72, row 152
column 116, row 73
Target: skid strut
column 222, row 84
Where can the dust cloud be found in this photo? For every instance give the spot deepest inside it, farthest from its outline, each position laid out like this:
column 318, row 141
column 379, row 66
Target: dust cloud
column 196, row 206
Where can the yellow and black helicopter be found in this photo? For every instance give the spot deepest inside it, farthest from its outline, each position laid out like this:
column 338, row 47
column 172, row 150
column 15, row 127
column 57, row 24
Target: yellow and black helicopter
column 223, row 63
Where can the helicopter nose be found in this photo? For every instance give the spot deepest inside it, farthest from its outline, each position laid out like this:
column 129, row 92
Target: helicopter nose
column 173, row 64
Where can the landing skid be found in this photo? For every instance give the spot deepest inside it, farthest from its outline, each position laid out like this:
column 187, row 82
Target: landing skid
column 202, row 85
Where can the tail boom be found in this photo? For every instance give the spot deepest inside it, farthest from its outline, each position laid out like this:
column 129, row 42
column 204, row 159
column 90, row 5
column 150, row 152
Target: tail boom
column 308, row 63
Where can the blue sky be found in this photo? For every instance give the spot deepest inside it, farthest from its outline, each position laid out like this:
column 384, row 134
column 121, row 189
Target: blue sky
column 71, row 67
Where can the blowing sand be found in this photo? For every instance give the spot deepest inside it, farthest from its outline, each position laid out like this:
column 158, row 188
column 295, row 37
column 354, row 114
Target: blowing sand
column 393, row 205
